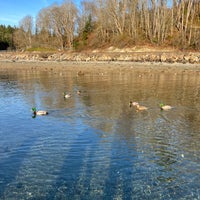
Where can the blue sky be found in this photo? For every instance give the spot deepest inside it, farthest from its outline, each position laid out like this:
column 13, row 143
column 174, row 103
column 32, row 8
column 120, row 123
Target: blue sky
column 12, row 11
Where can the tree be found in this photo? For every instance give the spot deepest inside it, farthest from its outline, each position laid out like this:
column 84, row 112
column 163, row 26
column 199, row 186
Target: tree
column 132, row 21
column 6, row 37
column 184, row 20
column 86, row 21
column 117, row 14
column 111, row 22
column 23, row 35
column 59, row 22
column 68, row 21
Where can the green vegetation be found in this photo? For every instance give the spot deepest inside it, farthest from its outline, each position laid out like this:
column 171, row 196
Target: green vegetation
column 6, row 37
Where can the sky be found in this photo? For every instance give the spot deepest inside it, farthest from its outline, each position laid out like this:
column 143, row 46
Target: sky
column 12, row 11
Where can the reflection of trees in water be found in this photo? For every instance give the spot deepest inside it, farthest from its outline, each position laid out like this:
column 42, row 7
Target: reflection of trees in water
column 117, row 87
column 107, row 95
column 110, row 99
column 43, row 88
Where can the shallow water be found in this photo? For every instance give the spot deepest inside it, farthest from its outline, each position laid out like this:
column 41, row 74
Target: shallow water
column 93, row 145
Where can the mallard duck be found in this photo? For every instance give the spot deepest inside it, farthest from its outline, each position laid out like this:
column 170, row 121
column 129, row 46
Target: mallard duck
column 165, row 107
column 133, row 103
column 80, row 73
column 66, row 95
column 39, row 112
column 79, row 92
column 138, row 107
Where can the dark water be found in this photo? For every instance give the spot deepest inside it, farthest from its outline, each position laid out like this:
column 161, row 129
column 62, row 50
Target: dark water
column 93, row 145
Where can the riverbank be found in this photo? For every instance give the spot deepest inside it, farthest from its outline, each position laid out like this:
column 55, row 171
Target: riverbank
column 109, row 55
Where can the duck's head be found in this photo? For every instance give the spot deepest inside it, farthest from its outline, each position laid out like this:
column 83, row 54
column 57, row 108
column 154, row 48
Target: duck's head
column 34, row 110
column 161, row 105
column 130, row 103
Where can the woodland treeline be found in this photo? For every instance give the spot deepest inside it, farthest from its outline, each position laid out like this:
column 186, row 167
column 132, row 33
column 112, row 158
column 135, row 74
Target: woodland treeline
column 6, row 37
column 120, row 23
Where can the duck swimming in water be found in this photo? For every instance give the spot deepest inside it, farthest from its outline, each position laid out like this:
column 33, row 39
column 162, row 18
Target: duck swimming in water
column 165, row 107
column 78, row 92
column 138, row 107
column 39, row 112
column 66, row 95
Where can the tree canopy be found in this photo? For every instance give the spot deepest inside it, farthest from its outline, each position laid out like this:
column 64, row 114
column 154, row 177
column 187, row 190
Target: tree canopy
column 109, row 22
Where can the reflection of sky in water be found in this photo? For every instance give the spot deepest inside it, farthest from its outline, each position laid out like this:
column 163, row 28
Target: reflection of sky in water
column 93, row 145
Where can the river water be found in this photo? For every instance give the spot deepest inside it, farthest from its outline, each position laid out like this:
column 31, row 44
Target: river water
column 93, row 145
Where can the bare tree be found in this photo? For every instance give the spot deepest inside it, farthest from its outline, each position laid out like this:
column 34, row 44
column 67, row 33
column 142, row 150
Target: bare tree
column 23, row 35
column 103, row 21
column 132, row 21
column 44, row 33
column 154, row 21
column 184, row 20
column 58, row 23
column 68, row 21
column 117, row 14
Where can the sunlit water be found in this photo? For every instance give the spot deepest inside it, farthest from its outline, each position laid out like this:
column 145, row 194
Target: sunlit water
column 93, row 145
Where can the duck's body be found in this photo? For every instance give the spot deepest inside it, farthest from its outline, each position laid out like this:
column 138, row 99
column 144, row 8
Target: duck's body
column 42, row 112
column 39, row 112
column 141, row 107
column 165, row 107
column 66, row 95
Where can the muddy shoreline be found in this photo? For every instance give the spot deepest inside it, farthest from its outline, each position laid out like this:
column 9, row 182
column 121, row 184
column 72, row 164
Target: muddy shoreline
column 83, row 68
column 98, row 61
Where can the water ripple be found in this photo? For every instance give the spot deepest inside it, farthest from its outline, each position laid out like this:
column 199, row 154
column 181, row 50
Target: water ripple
column 94, row 146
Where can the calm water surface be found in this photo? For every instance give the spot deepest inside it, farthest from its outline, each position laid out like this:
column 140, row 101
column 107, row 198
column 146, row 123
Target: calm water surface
column 93, row 145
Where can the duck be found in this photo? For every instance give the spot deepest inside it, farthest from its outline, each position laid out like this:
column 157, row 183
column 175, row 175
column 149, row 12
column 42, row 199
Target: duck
column 66, row 95
column 79, row 92
column 39, row 112
column 80, row 73
column 133, row 103
column 138, row 107
column 165, row 107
